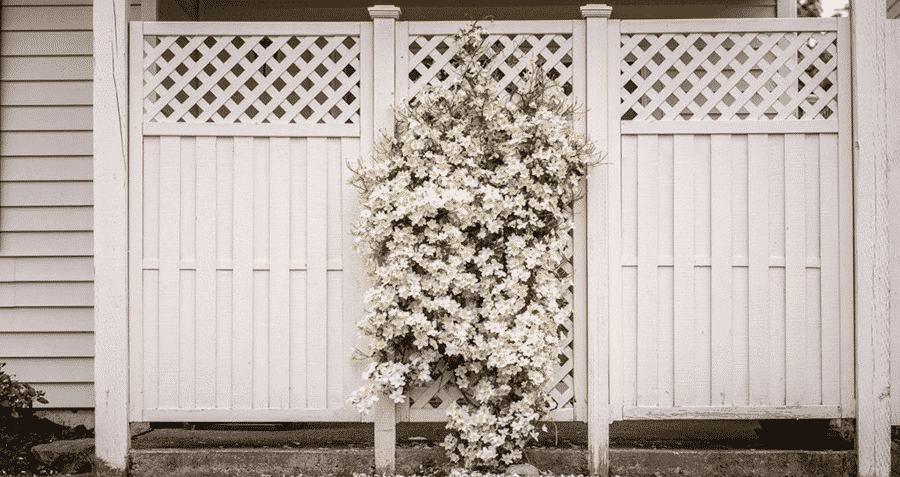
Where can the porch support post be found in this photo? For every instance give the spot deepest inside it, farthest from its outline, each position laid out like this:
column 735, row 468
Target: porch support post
column 111, row 235
column 384, row 18
column 872, row 252
column 600, row 93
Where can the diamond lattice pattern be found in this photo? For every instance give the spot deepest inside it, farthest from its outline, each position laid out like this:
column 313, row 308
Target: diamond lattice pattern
column 251, row 79
column 432, row 59
column 729, row 76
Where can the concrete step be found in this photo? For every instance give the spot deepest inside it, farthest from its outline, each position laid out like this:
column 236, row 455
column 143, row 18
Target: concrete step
column 280, row 462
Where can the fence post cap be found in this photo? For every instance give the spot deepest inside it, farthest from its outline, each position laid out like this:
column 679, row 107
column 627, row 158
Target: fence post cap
column 384, row 11
column 595, row 10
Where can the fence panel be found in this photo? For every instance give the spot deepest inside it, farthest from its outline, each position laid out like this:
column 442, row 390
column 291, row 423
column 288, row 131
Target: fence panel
column 733, row 185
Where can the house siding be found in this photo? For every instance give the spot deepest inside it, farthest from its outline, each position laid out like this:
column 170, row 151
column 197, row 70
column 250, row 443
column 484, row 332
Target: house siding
column 46, row 197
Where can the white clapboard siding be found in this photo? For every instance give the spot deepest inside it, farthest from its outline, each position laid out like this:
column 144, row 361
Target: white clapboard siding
column 242, row 279
column 730, row 275
column 46, row 195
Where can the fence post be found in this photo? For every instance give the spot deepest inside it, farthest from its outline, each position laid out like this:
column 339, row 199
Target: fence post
column 599, row 95
column 872, row 253
column 384, row 18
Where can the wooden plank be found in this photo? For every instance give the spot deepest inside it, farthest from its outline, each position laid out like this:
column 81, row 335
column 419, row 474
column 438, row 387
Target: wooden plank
column 829, row 294
column 353, row 276
column 614, row 218
column 893, row 182
column 813, row 319
column 46, row 43
column 30, row 194
column 34, row 18
column 47, row 244
column 50, row 370
column 17, row 294
column 55, row 143
column 251, row 130
column 777, row 275
column 260, row 278
column 317, row 281
column 494, row 28
column 187, row 319
column 795, row 269
column 169, row 273
column 205, row 234
column 740, row 369
column 648, row 358
column 43, row 320
column 334, row 229
column 41, row 269
column 759, row 355
column 47, row 345
column 298, row 283
column 729, row 25
column 47, row 118
column 45, row 219
column 242, row 286
column 224, row 279
column 683, row 241
column 73, row 168
column 730, row 127
column 280, row 275
column 702, row 275
column 666, row 274
column 721, row 311
column 69, row 395
column 845, row 219
column 579, row 345
column 629, row 208
column 48, row 2
column 34, row 93
column 254, row 415
column 150, row 345
column 268, row 28
column 734, row 412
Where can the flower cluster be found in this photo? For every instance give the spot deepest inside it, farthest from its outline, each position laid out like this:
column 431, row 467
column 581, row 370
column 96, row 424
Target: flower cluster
column 465, row 220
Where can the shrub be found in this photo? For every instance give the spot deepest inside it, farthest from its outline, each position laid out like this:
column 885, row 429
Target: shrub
column 16, row 396
column 465, row 220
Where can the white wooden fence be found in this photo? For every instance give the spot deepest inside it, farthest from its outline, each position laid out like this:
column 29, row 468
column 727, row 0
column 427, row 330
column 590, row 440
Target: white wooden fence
column 725, row 219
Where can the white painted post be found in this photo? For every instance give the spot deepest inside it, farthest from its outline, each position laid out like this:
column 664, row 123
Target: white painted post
column 786, row 9
column 111, row 235
column 384, row 18
column 600, row 94
column 871, row 220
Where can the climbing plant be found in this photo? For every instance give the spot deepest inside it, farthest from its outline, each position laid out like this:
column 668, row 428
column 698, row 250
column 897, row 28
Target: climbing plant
column 465, row 219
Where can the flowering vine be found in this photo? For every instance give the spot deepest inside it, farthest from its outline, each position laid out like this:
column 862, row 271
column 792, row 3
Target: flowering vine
column 465, row 219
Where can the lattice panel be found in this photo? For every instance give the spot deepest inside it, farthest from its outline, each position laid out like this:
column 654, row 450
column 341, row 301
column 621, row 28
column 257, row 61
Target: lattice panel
column 729, row 76
column 251, row 79
column 433, row 60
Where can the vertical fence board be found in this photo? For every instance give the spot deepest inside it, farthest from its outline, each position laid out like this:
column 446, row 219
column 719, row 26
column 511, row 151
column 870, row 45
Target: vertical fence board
column 830, row 268
column 683, row 238
column 665, row 287
column 336, row 346
column 169, row 255
column 299, row 272
column 702, row 278
column 721, row 259
column 242, row 285
column 813, row 360
column 647, row 271
column 187, row 315
column 740, row 372
column 353, row 275
column 317, row 280
column 614, row 225
column 795, row 267
column 224, row 278
column 205, row 380
column 629, row 252
column 261, row 267
column 759, row 354
column 150, row 278
column 135, row 191
column 777, row 274
column 845, row 221
column 279, row 274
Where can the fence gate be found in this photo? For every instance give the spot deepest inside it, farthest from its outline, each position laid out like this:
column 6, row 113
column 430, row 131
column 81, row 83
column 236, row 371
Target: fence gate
column 244, row 287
